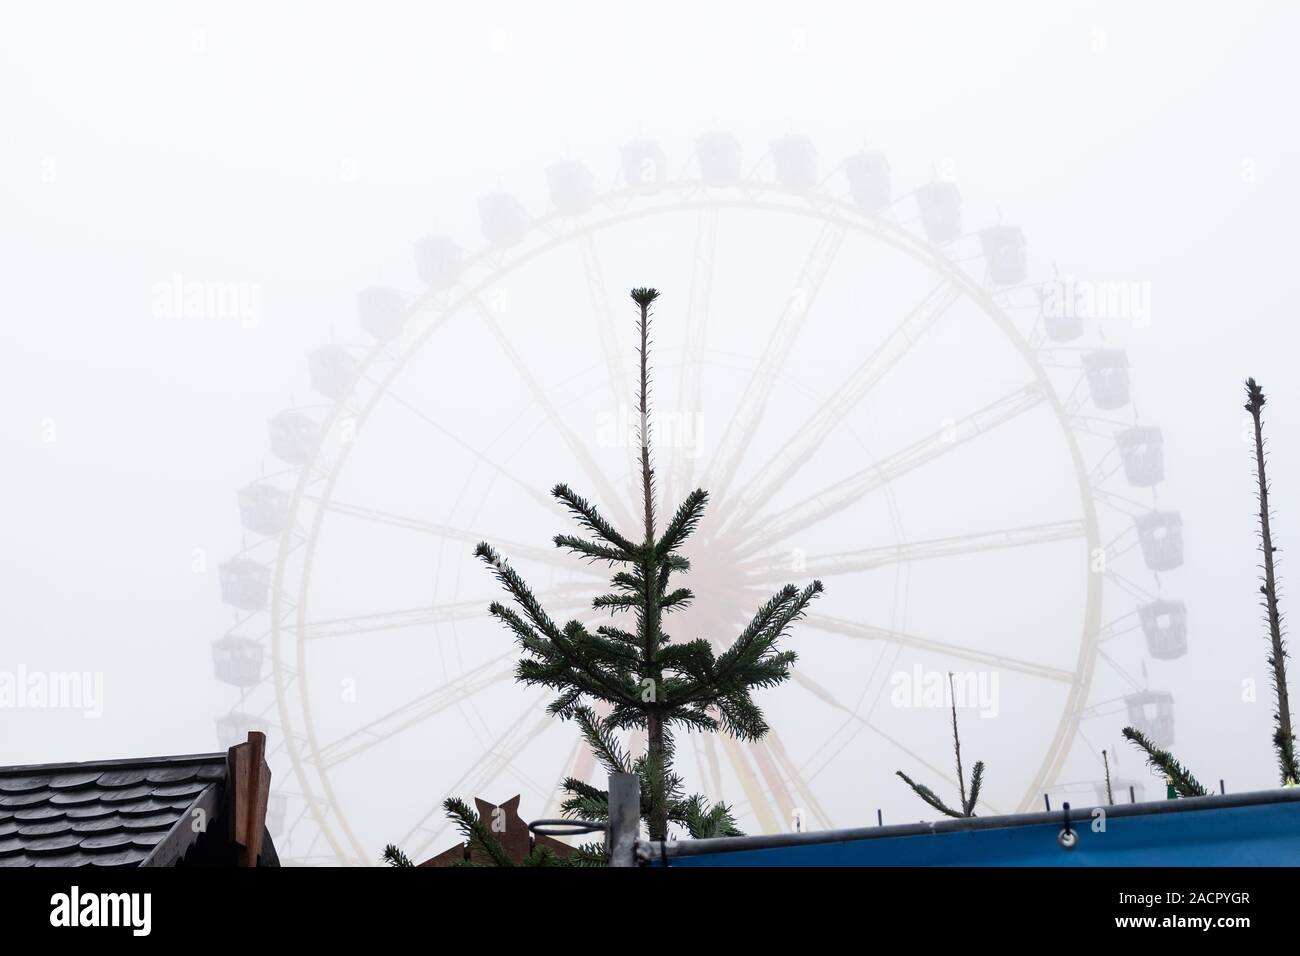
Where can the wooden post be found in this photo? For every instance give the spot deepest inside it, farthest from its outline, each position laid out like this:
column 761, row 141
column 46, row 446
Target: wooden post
column 624, row 818
column 248, row 788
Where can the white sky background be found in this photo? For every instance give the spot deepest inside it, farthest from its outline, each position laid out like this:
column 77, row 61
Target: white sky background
column 304, row 148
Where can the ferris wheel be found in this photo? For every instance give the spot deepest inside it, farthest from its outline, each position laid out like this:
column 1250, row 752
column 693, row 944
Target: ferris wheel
column 872, row 393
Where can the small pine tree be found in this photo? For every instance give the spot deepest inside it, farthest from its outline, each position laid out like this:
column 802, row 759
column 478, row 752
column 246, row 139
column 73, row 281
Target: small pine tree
column 968, row 798
column 1283, row 738
column 646, row 680
column 1177, row 776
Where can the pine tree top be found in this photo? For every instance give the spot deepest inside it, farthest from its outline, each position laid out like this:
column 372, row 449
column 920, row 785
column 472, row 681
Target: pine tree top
column 643, row 296
column 1254, row 397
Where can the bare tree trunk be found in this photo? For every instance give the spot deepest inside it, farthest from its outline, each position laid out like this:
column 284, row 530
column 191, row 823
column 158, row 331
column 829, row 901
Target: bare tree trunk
column 956, row 740
column 650, row 606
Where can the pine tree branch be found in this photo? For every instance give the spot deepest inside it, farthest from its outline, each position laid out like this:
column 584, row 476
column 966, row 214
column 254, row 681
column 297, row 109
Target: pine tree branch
column 589, row 549
column 591, row 519
column 692, row 658
column 618, row 634
column 525, row 636
column 517, row 589
column 684, row 522
column 542, row 856
column 705, row 822
column 474, row 830
column 394, row 856
column 1184, row 784
column 928, row 795
column 761, row 622
column 976, row 782
column 632, row 582
column 589, row 854
column 741, row 717
column 956, row 743
column 616, row 602
column 680, row 598
column 602, row 742
column 563, row 705
column 768, row 626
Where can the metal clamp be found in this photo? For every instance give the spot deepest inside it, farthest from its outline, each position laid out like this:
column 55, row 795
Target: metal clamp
column 1067, row 837
column 558, row 828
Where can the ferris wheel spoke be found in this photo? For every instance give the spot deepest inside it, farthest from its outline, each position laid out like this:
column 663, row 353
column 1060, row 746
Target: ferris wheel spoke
column 496, row 758
column 1120, row 626
column 771, row 744
column 526, row 487
column 867, row 632
column 739, row 757
column 1128, row 584
column 1119, row 503
column 818, row 507
column 786, row 462
column 745, row 421
column 614, row 358
column 514, row 549
column 1114, row 665
column 577, row 447
column 824, row 695
column 1096, row 426
column 776, row 784
column 766, row 570
column 691, row 370
column 565, row 598
column 415, row 711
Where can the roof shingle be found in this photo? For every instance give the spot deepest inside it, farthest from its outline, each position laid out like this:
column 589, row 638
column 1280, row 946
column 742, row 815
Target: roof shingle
column 106, row 813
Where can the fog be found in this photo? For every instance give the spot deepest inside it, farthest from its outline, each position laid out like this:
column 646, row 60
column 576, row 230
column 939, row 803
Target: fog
column 196, row 197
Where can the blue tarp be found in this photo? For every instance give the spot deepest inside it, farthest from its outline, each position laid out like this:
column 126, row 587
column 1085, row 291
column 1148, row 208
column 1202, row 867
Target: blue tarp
column 1254, row 829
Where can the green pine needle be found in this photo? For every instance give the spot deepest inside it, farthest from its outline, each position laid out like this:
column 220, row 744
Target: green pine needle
column 929, row 796
column 394, row 856
column 476, row 832
column 1184, row 784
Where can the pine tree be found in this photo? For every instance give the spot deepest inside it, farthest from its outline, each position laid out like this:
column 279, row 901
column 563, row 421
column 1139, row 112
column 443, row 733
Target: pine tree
column 968, row 799
column 1283, row 738
column 639, row 677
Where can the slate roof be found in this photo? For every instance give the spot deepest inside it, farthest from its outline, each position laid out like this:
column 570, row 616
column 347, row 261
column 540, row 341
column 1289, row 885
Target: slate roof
column 103, row 813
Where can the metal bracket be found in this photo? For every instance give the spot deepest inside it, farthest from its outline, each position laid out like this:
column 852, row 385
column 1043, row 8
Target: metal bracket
column 560, row 828
column 1067, row 837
